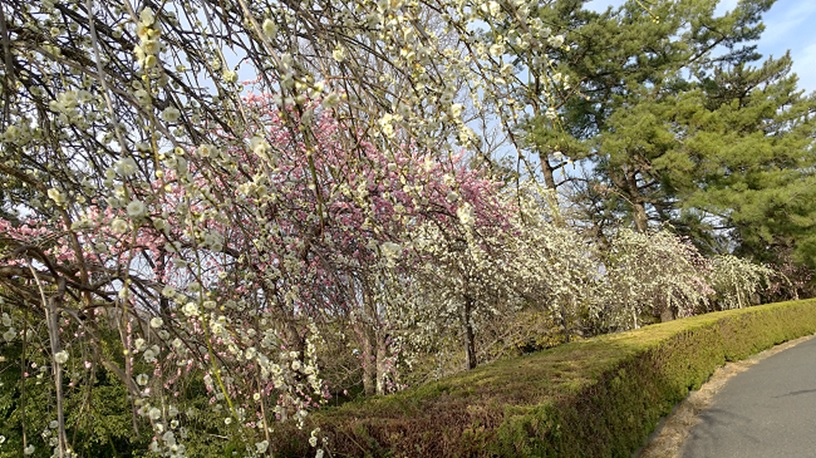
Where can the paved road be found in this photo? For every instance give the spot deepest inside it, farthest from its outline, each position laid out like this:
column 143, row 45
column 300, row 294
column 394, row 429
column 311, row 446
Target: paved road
column 768, row 411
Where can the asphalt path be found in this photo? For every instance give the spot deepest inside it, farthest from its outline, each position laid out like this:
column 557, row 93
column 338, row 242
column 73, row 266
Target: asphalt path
column 768, row 411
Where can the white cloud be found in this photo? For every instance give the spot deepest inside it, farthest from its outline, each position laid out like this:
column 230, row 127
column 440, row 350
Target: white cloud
column 788, row 26
column 804, row 61
column 781, row 24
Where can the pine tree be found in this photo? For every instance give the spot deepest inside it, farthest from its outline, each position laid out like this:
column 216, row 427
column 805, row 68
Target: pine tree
column 680, row 122
column 754, row 167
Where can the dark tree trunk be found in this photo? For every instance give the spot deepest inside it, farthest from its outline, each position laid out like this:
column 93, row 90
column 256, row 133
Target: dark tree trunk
column 667, row 315
column 470, row 344
column 548, row 171
column 638, row 206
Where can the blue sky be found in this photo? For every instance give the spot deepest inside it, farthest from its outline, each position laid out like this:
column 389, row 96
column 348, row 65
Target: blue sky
column 789, row 25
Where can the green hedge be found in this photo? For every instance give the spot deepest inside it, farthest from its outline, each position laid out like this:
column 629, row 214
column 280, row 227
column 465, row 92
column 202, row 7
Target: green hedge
column 600, row 397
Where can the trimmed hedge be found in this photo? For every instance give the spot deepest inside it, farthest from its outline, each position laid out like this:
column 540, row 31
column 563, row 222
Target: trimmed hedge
column 600, row 397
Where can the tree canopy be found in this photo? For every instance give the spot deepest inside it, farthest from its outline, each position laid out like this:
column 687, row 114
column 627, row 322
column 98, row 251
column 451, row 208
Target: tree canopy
column 680, row 121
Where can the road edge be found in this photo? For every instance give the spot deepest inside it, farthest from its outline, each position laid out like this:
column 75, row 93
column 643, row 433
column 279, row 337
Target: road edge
column 672, row 431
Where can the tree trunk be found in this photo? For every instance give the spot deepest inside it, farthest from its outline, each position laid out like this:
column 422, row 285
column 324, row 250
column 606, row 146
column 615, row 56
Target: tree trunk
column 667, row 315
column 470, row 344
column 367, row 357
column 52, row 306
column 381, row 363
column 548, row 171
column 565, row 323
column 368, row 362
column 364, row 322
column 636, row 200
column 639, row 214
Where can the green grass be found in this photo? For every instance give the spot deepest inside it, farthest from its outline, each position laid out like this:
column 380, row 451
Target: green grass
column 599, row 397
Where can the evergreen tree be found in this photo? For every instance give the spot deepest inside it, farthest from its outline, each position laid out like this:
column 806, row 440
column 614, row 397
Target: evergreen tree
column 749, row 140
column 679, row 122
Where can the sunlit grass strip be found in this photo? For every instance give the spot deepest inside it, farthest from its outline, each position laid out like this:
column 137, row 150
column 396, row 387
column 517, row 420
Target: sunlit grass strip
column 599, row 397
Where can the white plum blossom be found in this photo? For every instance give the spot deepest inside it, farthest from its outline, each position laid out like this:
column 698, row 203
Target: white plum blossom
column 387, row 124
column 151, row 353
column 496, row 49
column 150, row 47
column 214, row 241
column 169, row 438
column 391, row 250
column 170, row 114
column 126, row 167
column 147, row 17
column 65, row 103
column 168, row 292
column 339, row 54
column 556, row 41
column 142, row 97
column 190, row 309
column 262, row 446
column 61, row 357
column 154, row 413
column 465, row 214
column 206, row 151
column 119, row 226
column 492, row 8
column 230, row 76
column 313, row 437
column 259, row 146
column 136, row 209
column 160, row 224
column 270, row 28
column 57, row 196
column 13, row 134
